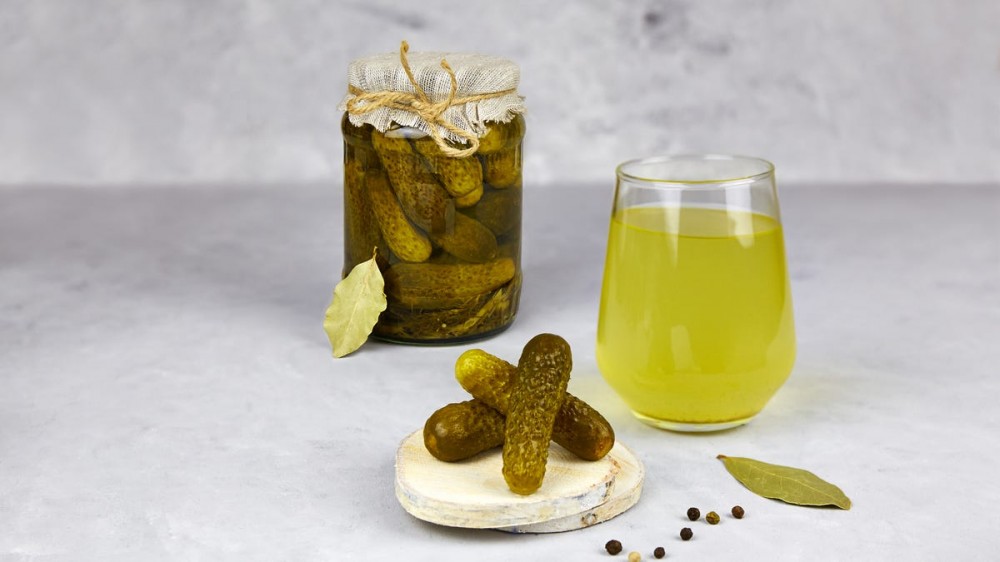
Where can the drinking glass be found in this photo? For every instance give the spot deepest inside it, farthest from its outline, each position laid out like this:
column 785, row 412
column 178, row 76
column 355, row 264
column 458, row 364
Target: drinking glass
column 695, row 330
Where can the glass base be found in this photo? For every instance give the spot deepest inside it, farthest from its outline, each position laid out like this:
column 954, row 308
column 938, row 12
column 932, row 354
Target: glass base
column 691, row 427
column 441, row 341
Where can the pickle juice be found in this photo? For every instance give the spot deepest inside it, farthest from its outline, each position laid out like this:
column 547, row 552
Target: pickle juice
column 696, row 317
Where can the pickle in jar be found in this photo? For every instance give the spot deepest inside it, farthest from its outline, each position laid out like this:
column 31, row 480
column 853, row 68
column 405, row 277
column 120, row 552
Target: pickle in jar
column 459, row 176
column 412, row 284
column 408, row 243
column 468, row 240
column 468, row 316
column 503, row 169
column 420, row 194
column 502, row 136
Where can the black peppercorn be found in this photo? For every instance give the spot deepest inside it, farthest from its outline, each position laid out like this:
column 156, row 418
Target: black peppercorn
column 738, row 512
column 659, row 552
column 687, row 533
column 693, row 513
column 712, row 518
column 613, row 547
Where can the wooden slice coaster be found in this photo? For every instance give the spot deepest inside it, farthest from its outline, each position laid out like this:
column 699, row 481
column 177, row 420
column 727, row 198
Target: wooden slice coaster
column 626, row 492
column 473, row 494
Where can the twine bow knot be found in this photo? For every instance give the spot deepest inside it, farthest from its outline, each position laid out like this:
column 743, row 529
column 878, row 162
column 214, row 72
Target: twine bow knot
column 420, row 104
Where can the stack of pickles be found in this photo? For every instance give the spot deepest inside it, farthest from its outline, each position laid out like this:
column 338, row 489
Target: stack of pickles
column 447, row 229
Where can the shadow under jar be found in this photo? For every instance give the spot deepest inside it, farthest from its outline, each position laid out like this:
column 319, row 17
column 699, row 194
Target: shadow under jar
column 447, row 228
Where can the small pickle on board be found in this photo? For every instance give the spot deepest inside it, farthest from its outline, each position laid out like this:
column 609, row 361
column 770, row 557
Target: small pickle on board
column 462, row 430
column 578, row 427
column 408, row 243
column 535, row 398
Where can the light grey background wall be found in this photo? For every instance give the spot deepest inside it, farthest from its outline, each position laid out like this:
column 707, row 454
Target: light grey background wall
column 199, row 91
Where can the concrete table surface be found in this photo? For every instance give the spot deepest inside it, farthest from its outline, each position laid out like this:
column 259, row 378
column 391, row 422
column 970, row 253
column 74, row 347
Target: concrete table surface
column 167, row 391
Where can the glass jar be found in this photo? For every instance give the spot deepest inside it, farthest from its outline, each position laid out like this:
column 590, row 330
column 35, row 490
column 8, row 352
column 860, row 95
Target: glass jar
column 447, row 228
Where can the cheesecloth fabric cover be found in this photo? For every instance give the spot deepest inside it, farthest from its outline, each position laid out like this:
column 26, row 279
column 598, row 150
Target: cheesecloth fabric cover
column 475, row 73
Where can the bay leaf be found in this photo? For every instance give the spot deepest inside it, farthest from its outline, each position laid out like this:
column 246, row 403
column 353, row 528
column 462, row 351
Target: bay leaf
column 790, row 485
column 357, row 302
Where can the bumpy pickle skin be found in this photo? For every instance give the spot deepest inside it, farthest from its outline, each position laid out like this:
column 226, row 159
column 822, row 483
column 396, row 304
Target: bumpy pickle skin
column 578, row 427
column 459, row 176
column 420, row 195
column 415, row 284
column 503, row 169
column 408, row 243
column 535, row 399
column 462, row 430
column 501, row 136
column 468, row 240
column 470, row 198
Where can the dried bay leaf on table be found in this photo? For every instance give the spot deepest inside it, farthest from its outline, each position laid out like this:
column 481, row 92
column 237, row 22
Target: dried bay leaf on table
column 790, row 485
column 358, row 300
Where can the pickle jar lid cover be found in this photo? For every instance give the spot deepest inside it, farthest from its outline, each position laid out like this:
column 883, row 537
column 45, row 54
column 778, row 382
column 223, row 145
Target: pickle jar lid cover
column 455, row 93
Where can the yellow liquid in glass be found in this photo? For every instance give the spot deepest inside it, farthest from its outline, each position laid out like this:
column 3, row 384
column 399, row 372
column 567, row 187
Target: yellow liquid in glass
column 696, row 313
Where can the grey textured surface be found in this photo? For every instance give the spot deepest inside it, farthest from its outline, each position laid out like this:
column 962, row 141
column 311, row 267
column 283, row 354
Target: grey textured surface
column 194, row 91
column 167, row 392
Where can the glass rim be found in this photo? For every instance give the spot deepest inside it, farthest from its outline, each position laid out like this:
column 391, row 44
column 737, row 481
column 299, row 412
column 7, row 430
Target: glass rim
column 721, row 182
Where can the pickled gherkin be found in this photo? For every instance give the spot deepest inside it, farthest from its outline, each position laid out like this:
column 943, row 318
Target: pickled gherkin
column 469, row 240
column 536, row 397
column 449, row 239
column 421, row 285
column 578, row 427
column 470, row 198
column 502, row 169
column 502, row 136
column 408, row 243
column 459, row 176
column 462, row 430
column 420, row 194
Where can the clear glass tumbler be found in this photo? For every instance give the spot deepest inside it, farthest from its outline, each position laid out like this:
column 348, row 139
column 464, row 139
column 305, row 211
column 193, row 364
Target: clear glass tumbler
column 695, row 330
